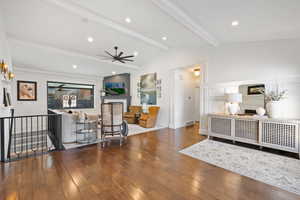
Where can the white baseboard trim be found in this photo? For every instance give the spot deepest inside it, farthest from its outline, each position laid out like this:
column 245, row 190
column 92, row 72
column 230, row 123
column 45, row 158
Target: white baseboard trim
column 203, row 131
column 171, row 126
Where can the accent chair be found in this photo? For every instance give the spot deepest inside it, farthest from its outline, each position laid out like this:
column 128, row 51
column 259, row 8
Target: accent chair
column 130, row 117
column 112, row 122
column 148, row 120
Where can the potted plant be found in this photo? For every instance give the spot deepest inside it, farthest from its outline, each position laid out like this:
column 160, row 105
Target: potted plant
column 273, row 98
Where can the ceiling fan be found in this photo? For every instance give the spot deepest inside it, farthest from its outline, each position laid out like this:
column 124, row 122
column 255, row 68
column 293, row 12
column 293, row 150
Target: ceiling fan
column 60, row 88
column 118, row 56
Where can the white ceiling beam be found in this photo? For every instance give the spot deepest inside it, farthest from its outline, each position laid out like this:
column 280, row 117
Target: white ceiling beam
column 23, row 68
column 69, row 53
column 180, row 16
column 91, row 15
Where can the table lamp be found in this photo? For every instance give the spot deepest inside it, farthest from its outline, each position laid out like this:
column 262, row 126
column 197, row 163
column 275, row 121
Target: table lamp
column 234, row 99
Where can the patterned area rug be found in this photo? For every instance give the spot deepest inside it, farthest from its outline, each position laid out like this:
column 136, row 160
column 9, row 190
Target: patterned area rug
column 278, row 171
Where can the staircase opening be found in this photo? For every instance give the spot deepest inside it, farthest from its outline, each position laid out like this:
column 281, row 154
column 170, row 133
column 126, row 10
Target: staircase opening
column 31, row 135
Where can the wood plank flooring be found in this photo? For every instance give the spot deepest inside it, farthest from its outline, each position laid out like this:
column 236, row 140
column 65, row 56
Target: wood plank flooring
column 147, row 167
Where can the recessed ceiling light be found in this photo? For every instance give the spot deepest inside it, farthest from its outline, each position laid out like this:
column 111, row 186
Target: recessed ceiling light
column 135, row 53
column 75, row 66
column 164, row 38
column 90, row 39
column 235, row 23
column 128, row 20
column 113, row 73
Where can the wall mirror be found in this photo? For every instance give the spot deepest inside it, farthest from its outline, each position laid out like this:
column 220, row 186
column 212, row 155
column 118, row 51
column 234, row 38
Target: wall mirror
column 252, row 98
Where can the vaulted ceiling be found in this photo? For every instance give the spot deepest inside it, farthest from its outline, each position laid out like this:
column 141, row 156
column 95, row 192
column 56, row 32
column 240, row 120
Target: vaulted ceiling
column 52, row 34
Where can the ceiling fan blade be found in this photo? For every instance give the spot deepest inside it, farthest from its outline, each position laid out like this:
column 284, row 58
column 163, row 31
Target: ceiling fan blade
column 127, row 57
column 120, row 54
column 121, row 61
column 108, row 53
column 128, row 60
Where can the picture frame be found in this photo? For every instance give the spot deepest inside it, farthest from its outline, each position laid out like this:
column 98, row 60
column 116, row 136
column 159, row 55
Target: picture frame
column 148, row 89
column 27, row 90
column 256, row 89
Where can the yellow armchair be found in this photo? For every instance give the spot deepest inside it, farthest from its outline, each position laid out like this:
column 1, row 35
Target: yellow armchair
column 130, row 116
column 148, row 120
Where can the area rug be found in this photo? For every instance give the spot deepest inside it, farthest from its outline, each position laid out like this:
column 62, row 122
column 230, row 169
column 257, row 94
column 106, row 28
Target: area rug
column 275, row 170
column 134, row 129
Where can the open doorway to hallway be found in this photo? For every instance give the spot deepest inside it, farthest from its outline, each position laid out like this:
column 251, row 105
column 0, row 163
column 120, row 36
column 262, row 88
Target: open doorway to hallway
column 186, row 96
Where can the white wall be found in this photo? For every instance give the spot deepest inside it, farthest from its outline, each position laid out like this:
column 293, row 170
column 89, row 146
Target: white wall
column 4, row 50
column 164, row 65
column 40, row 106
column 164, row 102
column 4, row 55
column 258, row 61
column 254, row 61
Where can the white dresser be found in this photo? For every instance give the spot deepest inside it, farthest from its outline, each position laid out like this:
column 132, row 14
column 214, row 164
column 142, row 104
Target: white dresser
column 282, row 134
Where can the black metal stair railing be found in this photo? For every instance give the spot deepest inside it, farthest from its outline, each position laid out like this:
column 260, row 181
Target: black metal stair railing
column 29, row 135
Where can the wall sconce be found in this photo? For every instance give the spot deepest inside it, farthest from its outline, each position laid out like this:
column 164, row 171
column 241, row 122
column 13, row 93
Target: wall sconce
column 2, row 64
column 7, row 75
column 11, row 76
column 197, row 72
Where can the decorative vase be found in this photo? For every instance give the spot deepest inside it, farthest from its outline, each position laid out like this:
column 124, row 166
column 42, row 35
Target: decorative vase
column 274, row 109
column 260, row 111
column 233, row 108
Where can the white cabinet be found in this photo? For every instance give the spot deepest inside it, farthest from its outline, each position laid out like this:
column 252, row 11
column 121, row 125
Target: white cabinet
column 272, row 133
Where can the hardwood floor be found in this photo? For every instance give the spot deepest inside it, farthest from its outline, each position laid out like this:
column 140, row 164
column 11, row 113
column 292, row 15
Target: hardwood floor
column 147, row 167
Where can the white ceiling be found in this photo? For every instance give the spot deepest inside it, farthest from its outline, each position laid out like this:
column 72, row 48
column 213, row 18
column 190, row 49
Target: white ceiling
column 52, row 34
column 259, row 19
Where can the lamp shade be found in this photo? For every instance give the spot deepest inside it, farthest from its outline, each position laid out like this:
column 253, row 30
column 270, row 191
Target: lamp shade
column 234, row 98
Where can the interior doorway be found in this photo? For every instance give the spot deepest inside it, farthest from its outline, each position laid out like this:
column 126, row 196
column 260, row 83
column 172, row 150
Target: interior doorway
column 186, row 101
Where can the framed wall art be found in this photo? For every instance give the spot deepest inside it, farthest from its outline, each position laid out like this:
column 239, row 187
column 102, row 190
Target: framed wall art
column 256, row 89
column 27, row 90
column 148, row 89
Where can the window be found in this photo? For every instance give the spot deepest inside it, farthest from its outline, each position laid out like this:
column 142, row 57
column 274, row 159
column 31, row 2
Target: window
column 70, row 95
